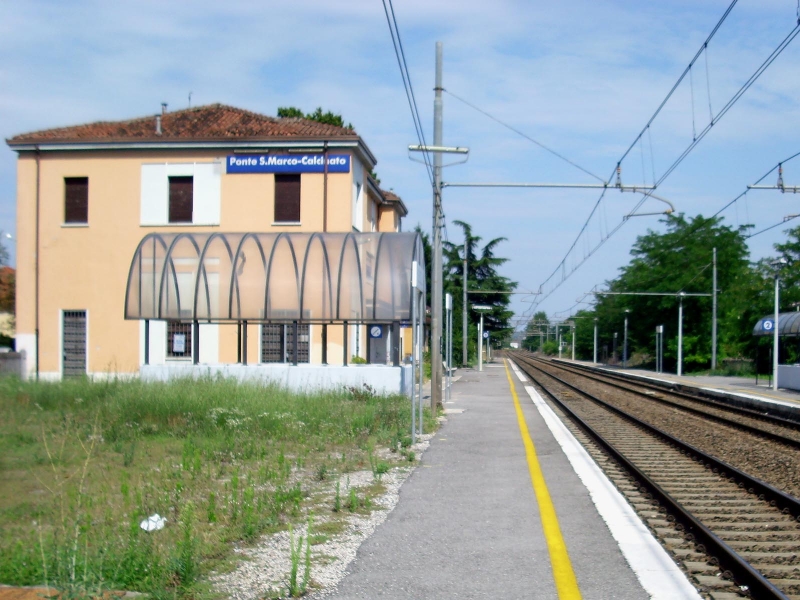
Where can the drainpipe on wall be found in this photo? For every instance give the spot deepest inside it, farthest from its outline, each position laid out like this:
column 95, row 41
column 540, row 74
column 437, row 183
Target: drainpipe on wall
column 36, row 263
column 324, row 229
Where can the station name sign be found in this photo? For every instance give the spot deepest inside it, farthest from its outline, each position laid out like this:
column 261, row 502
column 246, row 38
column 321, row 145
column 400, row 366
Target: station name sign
column 287, row 163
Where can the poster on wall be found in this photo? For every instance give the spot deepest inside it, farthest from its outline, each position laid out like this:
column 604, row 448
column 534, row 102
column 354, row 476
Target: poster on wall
column 179, row 343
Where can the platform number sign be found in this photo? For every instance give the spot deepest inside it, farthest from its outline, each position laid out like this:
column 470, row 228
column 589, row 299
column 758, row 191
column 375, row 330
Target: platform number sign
column 376, row 332
column 768, row 325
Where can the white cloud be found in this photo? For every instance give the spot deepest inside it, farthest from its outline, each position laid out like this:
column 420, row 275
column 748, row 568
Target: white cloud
column 582, row 77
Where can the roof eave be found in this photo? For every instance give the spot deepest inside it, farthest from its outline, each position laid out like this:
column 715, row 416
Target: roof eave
column 317, row 144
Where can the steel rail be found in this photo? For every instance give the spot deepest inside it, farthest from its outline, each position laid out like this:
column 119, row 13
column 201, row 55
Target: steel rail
column 742, row 572
column 699, row 397
column 776, row 437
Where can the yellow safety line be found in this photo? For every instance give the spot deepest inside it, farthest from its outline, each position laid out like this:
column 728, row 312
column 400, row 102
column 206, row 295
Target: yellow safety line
column 564, row 576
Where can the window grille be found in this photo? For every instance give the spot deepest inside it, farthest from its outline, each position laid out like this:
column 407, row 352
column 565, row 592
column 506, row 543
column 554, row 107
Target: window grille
column 277, row 343
column 179, row 339
column 74, row 342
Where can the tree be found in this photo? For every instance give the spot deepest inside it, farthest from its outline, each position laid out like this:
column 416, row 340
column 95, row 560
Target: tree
column 327, row 117
column 680, row 260
column 7, row 289
column 536, row 331
column 426, row 247
column 481, row 275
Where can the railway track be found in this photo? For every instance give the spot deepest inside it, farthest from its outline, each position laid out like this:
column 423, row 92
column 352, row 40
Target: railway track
column 734, row 534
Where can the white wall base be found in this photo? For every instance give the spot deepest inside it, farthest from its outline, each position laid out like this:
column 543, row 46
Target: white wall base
column 301, row 378
column 789, row 377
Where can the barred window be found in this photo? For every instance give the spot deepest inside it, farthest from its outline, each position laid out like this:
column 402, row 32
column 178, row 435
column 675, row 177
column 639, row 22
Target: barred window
column 277, row 343
column 179, row 339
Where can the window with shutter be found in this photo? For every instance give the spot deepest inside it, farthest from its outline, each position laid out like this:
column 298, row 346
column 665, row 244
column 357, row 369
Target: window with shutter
column 287, row 198
column 181, row 199
column 76, row 200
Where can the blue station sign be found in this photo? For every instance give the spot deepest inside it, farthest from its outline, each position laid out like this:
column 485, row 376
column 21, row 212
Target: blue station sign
column 287, row 163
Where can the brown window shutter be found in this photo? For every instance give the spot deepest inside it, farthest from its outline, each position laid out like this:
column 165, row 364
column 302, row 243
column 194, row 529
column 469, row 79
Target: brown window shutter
column 181, row 199
column 287, row 198
column 76, row 200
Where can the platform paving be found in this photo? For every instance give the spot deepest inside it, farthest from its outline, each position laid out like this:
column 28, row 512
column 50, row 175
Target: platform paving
column 467, row 524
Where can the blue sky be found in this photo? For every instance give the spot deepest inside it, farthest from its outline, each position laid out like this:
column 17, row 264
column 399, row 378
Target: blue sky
column 580, row 76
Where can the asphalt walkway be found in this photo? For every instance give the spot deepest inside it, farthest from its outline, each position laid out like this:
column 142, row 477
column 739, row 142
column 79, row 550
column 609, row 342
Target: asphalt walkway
column 472, row 523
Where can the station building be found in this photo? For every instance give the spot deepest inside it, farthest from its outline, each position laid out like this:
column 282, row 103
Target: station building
column 88, row 195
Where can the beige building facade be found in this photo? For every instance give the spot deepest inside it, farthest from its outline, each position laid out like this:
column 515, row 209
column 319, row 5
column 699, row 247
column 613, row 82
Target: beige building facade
column 87, row 195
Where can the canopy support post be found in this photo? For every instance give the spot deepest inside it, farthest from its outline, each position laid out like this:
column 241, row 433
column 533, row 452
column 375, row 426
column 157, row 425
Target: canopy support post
column 324, row 343
column 244, row 342
column 196, row 342
column 396, row 344
column 344, row 343
column 295, row 350
column 239, row 342
column 147, row 341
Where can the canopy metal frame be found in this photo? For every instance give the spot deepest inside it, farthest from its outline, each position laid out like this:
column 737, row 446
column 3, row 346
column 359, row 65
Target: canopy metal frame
column 366, row 277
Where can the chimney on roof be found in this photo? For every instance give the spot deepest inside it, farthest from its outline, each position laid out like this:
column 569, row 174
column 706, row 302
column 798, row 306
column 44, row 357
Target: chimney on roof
column 163, row 108
column 158, row 124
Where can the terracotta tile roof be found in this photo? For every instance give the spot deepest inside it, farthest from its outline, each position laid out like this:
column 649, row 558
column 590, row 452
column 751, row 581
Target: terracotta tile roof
column 211, row 122
column 393, row 198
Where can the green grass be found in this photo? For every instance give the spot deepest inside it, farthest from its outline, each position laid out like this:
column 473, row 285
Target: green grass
column 82, row 463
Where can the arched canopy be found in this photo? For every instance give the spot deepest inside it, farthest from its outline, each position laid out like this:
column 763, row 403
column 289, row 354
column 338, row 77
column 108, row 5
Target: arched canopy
column 310, row 277
column 788, row 325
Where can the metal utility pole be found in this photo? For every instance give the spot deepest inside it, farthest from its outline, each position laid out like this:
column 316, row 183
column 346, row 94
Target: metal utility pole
column 714, row 313
column 464, row 355
column 436, row 263
column 625, row 342
column 680, row 296
column 481, row 308
column 594, row 355
column 573, row 341
column 680, row 334
column 781, row 262
column 775, row 335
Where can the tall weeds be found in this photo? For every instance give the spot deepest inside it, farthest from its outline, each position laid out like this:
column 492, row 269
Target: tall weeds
column 88, row 461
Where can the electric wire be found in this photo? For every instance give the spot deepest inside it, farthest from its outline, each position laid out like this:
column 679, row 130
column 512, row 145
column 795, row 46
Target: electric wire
column 731, row 102
column 397, row 44
column 524, row 135
column 786, row 220
column 706, row 223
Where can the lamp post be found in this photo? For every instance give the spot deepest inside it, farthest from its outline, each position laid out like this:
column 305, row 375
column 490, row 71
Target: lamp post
column 625, row 341
column 778, row 264
column 614, row 350
column 481, row 308
column 573, row 340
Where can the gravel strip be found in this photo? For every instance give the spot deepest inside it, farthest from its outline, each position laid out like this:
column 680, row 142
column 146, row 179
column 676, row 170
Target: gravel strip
column 264, row 572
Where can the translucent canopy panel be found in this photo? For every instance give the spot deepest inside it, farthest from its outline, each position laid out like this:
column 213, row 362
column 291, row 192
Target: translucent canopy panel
column 788, row 325
column 311, row 277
